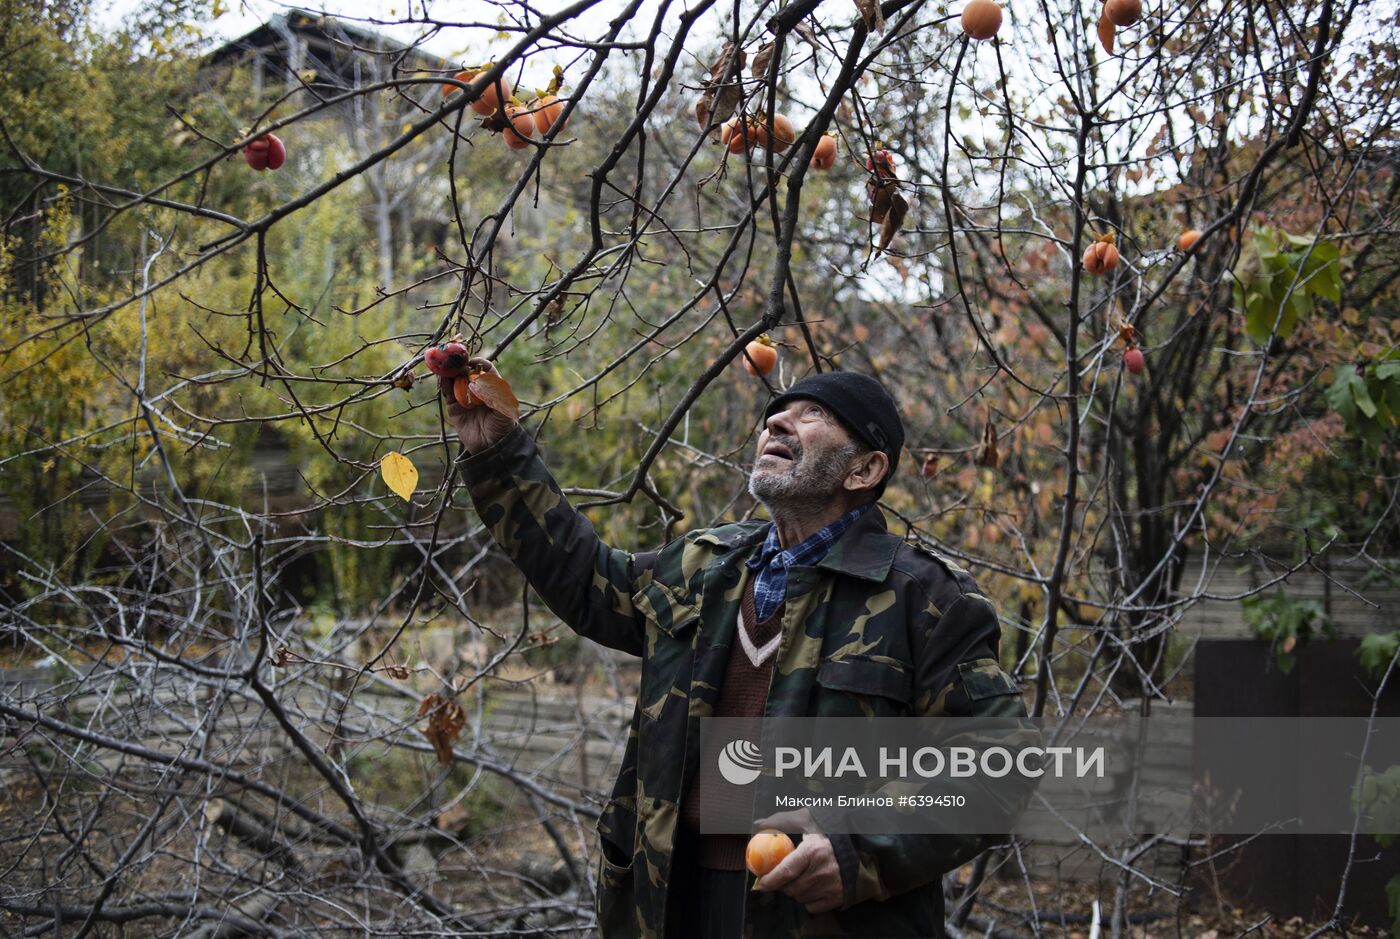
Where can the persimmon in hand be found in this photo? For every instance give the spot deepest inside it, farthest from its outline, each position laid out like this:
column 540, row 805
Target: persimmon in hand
column 446, row 360
column 766, row 851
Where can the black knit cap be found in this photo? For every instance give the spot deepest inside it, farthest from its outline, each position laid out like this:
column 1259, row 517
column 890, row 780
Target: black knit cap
column 862, row 404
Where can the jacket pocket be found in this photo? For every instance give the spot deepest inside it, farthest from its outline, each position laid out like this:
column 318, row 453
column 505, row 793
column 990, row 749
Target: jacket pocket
column 864, row 686
column 667, row 609
column 863, row 675
column 984, row 678
column 617, row 830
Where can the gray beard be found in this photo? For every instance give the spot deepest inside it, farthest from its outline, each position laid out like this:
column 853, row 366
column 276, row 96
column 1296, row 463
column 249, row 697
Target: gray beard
column 808, row 485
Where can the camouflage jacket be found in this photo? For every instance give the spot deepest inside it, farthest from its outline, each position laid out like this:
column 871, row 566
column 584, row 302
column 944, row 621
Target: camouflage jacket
column 877, row 627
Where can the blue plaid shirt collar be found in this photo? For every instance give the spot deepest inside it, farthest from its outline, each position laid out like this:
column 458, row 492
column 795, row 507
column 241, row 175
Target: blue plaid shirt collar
column 773, row 560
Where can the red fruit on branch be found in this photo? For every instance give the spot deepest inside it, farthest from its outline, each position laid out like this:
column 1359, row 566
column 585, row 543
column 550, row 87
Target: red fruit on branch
column 520, row 129
column 1123, row 12
column 738, row 135
column 824, row 156
column 1106, row 32
column 779, row 137
column 1187, row 239
column 1134, row 361
column 491, row 95
column 1100, row 257
column 547, row 109
column 881, row 163
column 265, row 153
column 447, row 360
column 760, row 357
column 981, row 19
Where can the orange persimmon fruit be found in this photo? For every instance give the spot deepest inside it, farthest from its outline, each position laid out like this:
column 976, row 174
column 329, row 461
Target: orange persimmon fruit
column 520, row 129
column 779, row 138
column 981, row 19
column 547, row 109
column 737, row 137
column 766, row 851
column 760, row 357
column 1123, row 12
column 491, row 95
column 1100, row 257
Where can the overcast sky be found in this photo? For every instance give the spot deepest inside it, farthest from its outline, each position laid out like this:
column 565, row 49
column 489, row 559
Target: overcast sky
column 243, row 16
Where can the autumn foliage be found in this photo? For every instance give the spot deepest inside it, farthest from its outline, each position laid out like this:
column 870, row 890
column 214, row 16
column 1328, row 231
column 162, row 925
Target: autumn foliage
column 1130, row 272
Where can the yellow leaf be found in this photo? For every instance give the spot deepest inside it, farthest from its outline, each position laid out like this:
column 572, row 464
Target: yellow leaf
column 399, row 474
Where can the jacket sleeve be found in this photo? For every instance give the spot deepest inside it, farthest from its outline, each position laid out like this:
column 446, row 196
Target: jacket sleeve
column 587, row 584
column 956, row 675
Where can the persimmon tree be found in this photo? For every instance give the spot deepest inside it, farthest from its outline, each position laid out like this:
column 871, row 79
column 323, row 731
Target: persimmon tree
column 1102, row 408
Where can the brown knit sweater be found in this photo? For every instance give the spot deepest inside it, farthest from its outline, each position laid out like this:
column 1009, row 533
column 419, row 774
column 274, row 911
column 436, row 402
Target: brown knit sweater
column 743, row 693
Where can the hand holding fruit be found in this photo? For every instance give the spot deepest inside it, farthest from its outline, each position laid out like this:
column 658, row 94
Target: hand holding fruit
column 808, row 873
column 478, row 426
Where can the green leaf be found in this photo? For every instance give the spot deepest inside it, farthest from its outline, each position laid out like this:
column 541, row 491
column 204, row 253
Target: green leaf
column 1259, row 317
column 1376, row 651
column 1264, row 243
column 1362, row 397
column 1339, row 396
column 1322, row 273
column 1298, row 306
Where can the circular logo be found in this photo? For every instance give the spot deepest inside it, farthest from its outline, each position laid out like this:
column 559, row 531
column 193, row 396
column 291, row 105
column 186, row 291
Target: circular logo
column 740, row 762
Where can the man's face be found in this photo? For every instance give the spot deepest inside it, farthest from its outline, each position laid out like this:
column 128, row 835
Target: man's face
column 804, row 453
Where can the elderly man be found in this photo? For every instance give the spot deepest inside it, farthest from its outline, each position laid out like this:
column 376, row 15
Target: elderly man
column 819, row 613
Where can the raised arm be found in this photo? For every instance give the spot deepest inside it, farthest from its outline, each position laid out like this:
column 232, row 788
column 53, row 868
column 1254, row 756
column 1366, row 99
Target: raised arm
column 588, row 584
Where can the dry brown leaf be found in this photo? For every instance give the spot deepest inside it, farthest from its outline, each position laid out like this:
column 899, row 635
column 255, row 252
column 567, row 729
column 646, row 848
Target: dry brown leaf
column 899, row 208
column 720, row 69
column 872, row 14
column 881, row 198
column 761, row 60
column 494, row 392
column 445, row 723
column 719, row 101
column 703, row 107
column 1106, row 31
column 987, row 453
column 805, row 31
